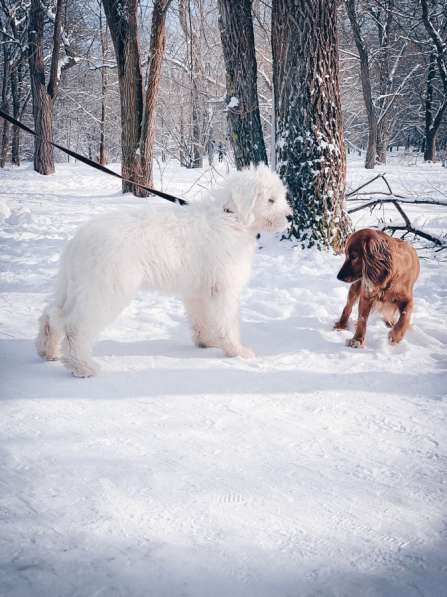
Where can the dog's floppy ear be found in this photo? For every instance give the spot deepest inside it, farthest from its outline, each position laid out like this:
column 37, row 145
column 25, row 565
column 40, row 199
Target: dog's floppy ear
column 376, row 258
column 241, row 205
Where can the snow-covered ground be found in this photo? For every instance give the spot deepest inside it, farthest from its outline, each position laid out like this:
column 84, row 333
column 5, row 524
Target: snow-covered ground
column 312, row 470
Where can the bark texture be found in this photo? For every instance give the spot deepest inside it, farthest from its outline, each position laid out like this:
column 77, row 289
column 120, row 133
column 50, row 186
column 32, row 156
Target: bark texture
column 122, row 21
column 104, row 81
column 137, row 107
column 438, row 57
column 42, row 102
column 236, row 30
column 195, row 160
column 44, row 95
column 4, row 143
column 430, row 131
column 384, row 24
column 310, row 153
column 18, row 106
column 365, row 77
column 156, row 52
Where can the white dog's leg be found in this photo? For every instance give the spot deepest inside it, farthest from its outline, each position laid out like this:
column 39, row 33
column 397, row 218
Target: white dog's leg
column 85, row 321
column 195, row 308
column 50, row 334
column 77, row 352
column 221, row 324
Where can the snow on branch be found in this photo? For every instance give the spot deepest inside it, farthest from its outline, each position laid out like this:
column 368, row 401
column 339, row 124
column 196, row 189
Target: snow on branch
column 397, row 201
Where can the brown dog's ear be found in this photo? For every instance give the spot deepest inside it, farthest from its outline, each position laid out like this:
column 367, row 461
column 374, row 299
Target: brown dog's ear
column 376, row 259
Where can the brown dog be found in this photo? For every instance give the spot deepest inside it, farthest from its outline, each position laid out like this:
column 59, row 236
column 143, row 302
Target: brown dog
column 382, row 271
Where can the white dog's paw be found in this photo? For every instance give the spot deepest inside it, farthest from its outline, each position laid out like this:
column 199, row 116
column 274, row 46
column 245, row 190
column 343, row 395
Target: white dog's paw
column 240, row 351
column 82, row 369
column 85, row 371
column 47, row 355
column 200, row 341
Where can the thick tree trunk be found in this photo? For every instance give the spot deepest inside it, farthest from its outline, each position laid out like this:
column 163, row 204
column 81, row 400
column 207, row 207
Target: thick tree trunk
column 382, row 143
column 43, row 97
column 43, row 125
column 310, row 152
column 430, row 146
column 123, row 25
column 236, row 30
column 156, row 52
column 137, row 111
column 365, row 77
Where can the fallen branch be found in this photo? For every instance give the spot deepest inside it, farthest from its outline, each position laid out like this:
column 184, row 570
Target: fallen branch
column 396, row 201
column 368, row 182
column 416, row 232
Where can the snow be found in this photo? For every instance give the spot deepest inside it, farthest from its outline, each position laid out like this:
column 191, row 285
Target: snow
column 313, row 469
column 233, row 103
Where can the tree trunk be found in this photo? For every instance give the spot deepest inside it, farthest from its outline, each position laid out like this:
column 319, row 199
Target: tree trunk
column 195, row 70
column 102, row 123
column 384, row 24
column 236, row 31
column 430, row 132
column 5, row 139
column 437, row 57
column 156, row 52
column 382, row 142
column 16, row 90
column 365, row 77
column 430, row 146
column 43, row 97
column 137, row 111
column 310, row 152
column 123, row 25
column 5, row 107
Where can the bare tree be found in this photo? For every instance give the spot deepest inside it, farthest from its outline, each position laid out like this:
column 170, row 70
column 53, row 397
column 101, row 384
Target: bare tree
column 309, row 134
column 438, row 57
column 13, row 30
column 236, row 30
column 5, row 105
column 195, row 77
column 138, row 106
column 104, row 81
column 365, row 77
column 44, row 95
column 382, row 49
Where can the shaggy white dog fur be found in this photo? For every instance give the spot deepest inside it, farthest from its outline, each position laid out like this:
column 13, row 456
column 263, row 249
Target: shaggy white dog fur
column 201, row 253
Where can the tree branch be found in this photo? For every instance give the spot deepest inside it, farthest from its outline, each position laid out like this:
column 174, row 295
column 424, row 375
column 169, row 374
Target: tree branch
column 396, row 201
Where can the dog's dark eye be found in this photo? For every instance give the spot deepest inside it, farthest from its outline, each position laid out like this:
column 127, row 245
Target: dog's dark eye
column 271, row 201
column 354, row 256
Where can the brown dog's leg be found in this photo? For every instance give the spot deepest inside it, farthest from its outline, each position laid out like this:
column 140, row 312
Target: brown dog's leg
column 353, row 296
column 401, row 327
column 358, row 339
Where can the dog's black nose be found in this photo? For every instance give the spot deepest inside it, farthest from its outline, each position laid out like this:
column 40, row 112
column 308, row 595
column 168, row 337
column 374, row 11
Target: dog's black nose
column 289, row 218
column 340, row 276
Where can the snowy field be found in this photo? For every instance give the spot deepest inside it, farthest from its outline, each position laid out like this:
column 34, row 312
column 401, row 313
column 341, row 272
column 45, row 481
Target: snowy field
column 312, row 470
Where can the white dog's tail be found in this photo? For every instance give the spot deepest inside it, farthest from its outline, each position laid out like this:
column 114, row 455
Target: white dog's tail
column 50, row 333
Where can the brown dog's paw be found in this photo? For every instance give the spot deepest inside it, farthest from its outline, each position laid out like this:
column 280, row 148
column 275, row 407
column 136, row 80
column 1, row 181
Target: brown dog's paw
column 340, row 325
column 354, row 343
column 394, row 338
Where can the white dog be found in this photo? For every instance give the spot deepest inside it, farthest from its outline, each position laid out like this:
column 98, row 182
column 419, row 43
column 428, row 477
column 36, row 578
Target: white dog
column 201, row 253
